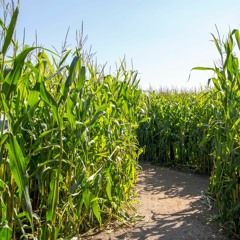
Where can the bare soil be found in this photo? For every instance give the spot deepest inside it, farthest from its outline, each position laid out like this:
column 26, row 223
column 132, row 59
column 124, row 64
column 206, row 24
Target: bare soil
column 172, row 206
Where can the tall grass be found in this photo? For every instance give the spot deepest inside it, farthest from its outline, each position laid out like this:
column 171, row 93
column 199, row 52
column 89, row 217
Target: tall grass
column 68, row 156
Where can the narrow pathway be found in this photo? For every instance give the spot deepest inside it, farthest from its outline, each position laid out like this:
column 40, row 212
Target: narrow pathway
column 171, row 204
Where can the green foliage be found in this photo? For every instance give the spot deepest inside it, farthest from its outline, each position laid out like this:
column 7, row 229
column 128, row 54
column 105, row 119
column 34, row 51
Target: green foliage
column 68, row 142
column 176, row 133
column 225, row 180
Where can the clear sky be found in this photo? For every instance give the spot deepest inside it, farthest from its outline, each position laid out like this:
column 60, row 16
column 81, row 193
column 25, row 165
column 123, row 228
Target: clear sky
column 164, row 39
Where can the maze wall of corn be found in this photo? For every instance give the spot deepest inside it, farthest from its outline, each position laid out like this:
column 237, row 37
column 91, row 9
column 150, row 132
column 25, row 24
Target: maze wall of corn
column 71, row 137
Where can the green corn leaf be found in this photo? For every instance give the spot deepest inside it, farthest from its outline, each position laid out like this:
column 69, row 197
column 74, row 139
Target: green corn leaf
column 77, row 185
column 96, row 210
column 95, row 174
column 204, row 140
column 56, row 73
column 237, row 37
column 47, row 97
column 17, row 162
column 203, row 68
column 109, row 188
column 10, row 31
column 82, row 78
column 33, row 98
column 216, row 83
column 217, row 44
column 3, row 25
column 46, row 60
column 39, row 149
column 3, row 138
column 18, row 66
column 6, row 232
column 86, row 198
column 17, row 124
column 236, row 124
column 70, row 115
column 72, row 69
column 70, row 78
column 40, row 137
column 64, row 58
column 51, row 199
column 13, row 77
column 95, row 118
column 18, row 169
column 145, row 119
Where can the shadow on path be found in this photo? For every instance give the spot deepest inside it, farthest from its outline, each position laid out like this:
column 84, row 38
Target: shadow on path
column 170, row 202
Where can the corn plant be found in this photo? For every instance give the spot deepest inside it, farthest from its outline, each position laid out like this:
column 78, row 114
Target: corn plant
column 225, row 129
column 69, row 152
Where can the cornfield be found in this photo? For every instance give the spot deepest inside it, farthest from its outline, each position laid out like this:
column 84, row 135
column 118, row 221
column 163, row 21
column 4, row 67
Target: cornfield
column 71, row 137
column 176, row 129
column 68, row 141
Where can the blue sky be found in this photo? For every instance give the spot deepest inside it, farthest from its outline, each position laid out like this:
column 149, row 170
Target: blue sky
column 164, row 39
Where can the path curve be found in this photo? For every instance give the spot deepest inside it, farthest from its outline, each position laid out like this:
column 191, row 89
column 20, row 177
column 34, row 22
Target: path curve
column 171, row 204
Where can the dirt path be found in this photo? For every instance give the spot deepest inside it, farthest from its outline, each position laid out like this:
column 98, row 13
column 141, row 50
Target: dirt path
column 171, row 204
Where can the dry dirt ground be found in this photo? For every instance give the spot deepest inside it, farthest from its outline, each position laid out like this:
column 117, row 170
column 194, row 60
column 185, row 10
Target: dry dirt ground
column 172, row 206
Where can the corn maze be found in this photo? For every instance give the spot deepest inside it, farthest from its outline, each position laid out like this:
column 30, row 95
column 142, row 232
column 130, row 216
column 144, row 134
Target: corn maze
column 71, row 137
